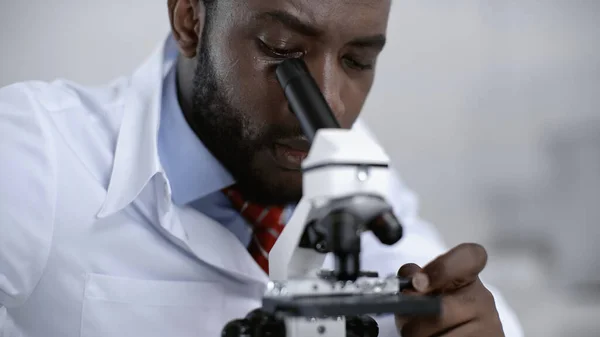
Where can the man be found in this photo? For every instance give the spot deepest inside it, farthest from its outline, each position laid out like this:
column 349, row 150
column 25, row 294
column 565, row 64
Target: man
column 124, row 210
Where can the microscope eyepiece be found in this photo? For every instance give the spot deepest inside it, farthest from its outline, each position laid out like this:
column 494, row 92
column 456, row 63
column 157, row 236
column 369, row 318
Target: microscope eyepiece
column 305, row 98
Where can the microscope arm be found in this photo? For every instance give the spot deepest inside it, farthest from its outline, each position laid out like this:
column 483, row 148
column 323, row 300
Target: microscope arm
column 287, row 259
column 344, row 169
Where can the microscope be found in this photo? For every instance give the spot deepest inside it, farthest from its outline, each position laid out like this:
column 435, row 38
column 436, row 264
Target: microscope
column 345, row 183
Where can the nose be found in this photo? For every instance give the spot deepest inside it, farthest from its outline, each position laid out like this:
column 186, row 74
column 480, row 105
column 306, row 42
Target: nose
column 330, row 79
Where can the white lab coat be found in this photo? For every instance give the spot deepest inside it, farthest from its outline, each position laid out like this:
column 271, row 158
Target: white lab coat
column 91, row 244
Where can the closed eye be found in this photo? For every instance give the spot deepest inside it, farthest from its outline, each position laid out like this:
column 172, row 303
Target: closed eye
column 278, row 52
column 352, row 63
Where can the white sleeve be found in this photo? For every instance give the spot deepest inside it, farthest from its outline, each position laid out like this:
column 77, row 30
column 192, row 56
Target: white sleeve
column 27, row 193
column 421, row 243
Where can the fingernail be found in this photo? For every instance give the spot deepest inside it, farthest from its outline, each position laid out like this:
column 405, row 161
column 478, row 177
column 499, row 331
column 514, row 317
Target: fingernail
column 420, row 282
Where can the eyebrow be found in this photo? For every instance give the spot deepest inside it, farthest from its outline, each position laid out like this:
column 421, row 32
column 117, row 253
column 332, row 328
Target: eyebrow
column 376, row 42
column 291, row 21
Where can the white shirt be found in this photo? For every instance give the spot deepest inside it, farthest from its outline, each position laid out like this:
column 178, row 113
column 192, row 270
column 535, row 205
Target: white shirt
column 91, row 242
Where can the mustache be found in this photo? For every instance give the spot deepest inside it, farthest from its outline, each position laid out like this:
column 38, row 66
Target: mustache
column 279, row 132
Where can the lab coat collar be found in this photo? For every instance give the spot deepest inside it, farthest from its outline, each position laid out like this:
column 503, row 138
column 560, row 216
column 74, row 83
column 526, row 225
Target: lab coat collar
column 136, row 159
column 137, row 162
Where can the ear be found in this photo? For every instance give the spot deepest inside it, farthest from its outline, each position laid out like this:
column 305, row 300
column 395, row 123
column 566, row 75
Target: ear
column 187, row 22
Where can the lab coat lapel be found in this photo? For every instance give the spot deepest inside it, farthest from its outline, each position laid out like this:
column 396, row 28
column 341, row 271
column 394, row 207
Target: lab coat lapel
column 206, row 239
column 214, row 244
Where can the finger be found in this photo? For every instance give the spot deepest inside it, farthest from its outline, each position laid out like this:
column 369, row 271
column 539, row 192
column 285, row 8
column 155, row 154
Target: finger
column 481, row 327
column 409, row 270
column 419, row 284
column 457, row 268
column 475, row 329
column 469, row 329
column 458, row 309
column 418, row 278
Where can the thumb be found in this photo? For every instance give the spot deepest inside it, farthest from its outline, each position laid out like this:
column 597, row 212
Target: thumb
column 419, row 281
column 409, row 270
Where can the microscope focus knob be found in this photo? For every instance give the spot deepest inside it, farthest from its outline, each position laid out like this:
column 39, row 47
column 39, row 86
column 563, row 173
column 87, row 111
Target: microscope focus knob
column 370, row 325
column 265, row 325
column 237, row 328
column 362, row 326
column 257, row 317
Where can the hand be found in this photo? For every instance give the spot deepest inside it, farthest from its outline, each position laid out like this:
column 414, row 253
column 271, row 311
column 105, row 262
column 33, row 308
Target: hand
column 468, row 308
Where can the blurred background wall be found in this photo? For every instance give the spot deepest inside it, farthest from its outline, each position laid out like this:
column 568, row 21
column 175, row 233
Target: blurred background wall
column 489, row 109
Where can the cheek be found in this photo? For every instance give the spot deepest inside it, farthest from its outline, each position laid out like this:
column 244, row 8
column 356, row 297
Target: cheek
column 255, row 89
column 354, row 96
column 263, row 95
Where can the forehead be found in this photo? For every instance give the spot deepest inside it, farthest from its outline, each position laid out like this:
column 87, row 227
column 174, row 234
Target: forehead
column 357, row 17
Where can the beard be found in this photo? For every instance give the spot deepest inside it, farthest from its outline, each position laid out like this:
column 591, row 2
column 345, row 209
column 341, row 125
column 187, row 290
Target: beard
column 238, row 138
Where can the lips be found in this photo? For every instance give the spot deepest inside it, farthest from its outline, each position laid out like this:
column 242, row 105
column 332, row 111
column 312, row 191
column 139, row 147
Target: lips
column 296, row 144
column 290, row 153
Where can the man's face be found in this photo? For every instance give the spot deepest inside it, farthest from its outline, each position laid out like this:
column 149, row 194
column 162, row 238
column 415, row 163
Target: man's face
column 239, row 109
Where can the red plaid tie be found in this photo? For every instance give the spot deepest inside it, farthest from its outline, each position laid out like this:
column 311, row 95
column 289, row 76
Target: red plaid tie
column 267, row 224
